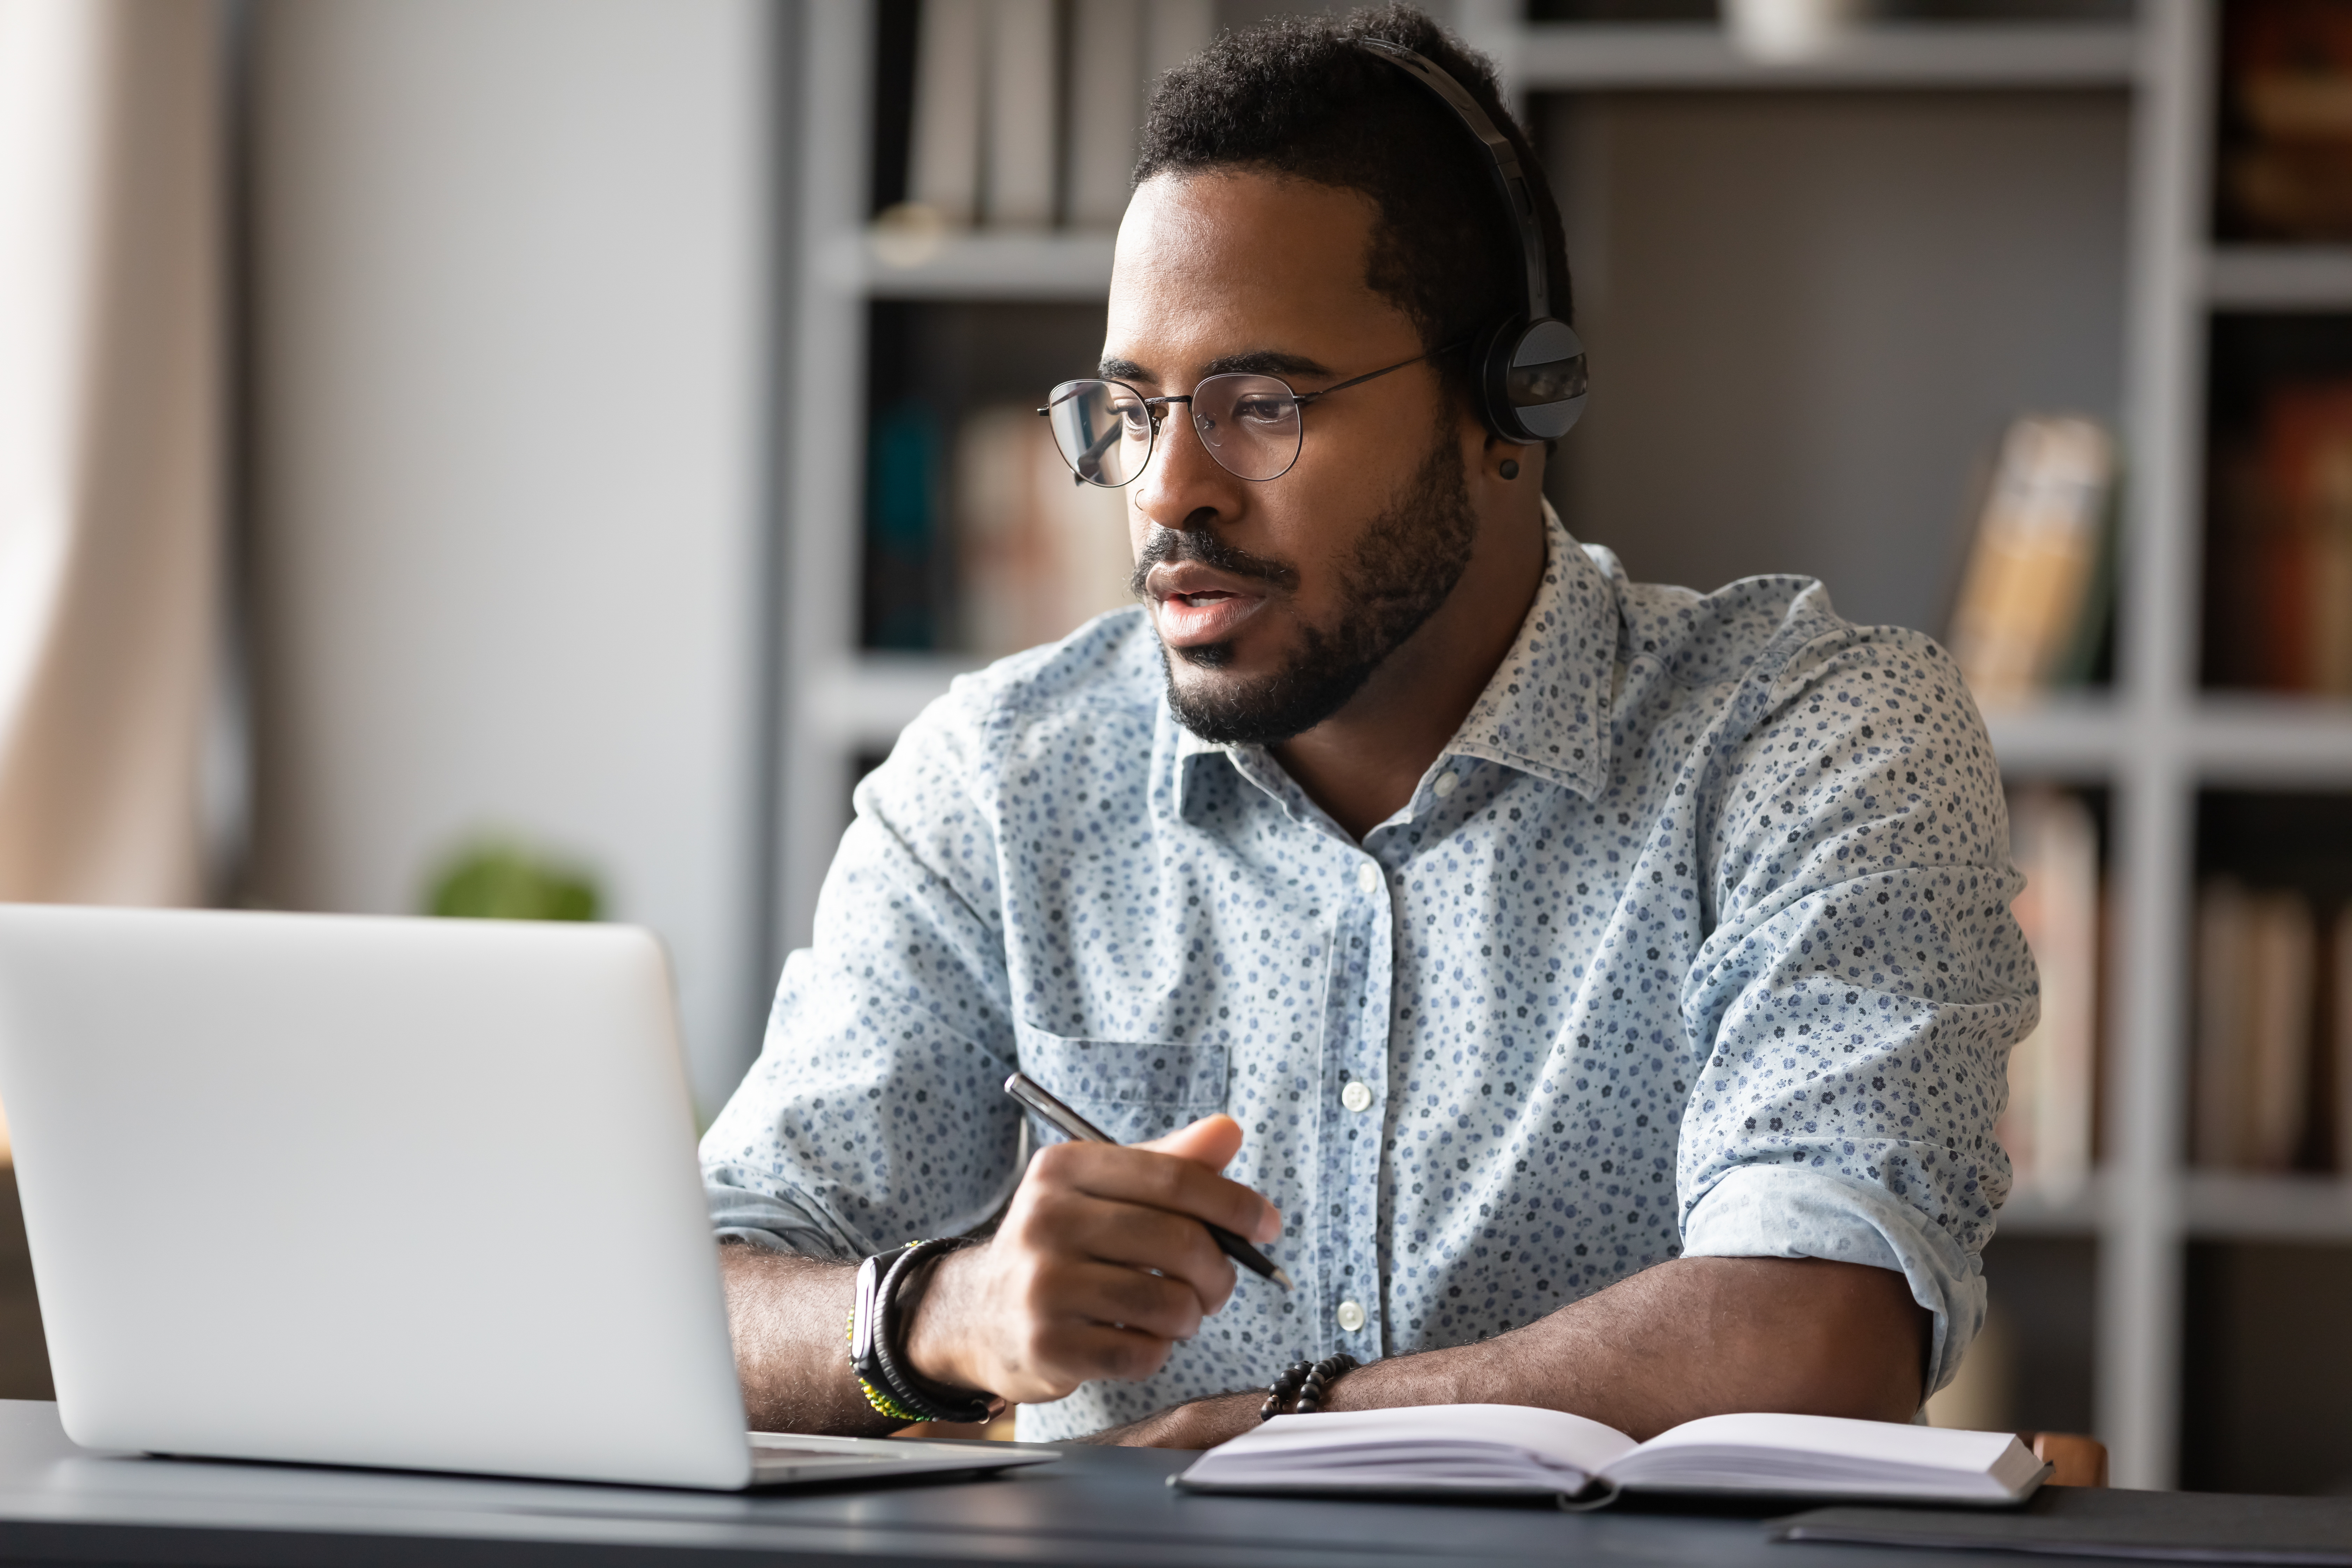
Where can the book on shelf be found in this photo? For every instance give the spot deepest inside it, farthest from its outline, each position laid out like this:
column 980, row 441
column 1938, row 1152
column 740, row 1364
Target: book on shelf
column 1106, row 108
column 2033, row 602
column 2286, row 121
column 2052, row 1072
column 1177, row 29
column 2257, row 982
column 944, row 144
column 2281, row 545
column 1006, row 132
column 2338, row 1058
column 1472, row 1450
column 1038, row 555
column 1018, row 191
column 906, row 562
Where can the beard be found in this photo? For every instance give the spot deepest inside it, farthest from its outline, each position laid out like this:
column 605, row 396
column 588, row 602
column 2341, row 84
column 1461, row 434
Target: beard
column 1405, row 566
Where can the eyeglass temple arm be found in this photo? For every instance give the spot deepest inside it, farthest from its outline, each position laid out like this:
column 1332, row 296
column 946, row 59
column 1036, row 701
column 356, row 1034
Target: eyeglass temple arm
column 1305, row 398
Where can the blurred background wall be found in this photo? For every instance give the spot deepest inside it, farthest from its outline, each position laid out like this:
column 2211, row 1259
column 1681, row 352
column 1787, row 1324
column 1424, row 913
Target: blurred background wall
column 508, row 305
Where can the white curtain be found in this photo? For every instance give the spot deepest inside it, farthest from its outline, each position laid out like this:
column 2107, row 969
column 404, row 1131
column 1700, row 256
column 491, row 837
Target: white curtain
column 111, row 450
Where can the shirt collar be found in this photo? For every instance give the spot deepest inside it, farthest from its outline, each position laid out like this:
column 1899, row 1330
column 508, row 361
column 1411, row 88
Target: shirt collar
column 1546, row 709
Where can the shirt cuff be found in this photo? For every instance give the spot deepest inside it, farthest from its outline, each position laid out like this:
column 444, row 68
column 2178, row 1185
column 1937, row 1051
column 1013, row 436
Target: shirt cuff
column 1758, row 1212
column 773, row 1222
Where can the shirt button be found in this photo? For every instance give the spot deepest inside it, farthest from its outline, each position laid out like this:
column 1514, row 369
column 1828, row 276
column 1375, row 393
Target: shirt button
column 1351, row 1316
column 1368, row 877
column 1356, row 1096
column 1446, row 784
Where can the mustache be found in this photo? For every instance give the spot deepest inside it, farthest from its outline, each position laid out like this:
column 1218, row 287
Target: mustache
column 1167, row 544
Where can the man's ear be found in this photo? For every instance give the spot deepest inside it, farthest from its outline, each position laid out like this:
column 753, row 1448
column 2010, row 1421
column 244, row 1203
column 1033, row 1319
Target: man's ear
column 1509, row 464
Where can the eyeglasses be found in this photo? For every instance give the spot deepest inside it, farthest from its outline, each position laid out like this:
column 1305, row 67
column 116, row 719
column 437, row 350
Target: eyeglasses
column 1250, row 424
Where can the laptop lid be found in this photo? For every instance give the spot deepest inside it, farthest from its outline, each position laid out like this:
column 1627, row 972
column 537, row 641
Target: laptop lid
column 366, row 1191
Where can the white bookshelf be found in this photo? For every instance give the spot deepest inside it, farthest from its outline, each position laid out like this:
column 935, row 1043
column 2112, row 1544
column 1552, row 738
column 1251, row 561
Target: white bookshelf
column 2279, row 277
column 974, row 266
column 2152, row 740
column 1569, row 57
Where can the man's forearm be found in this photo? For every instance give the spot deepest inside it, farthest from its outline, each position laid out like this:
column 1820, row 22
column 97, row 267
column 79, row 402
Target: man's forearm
column 1699, row 1336
column 787, row 1315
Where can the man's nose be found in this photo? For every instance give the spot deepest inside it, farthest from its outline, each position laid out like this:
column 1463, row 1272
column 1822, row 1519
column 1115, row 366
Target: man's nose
column 1182, row 489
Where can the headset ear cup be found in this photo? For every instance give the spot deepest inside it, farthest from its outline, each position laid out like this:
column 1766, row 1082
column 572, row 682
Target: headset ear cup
column 1531, row 377
column 1491, row 367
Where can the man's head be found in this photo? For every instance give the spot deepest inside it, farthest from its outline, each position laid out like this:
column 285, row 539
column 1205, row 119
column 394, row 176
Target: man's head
column 1305, row 210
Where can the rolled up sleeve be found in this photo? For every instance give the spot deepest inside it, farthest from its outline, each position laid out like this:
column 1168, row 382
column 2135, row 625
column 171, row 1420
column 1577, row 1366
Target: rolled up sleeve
column 1857, row 998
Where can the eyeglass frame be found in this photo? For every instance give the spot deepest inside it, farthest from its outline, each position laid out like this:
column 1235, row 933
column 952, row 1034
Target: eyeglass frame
column 1157, row 408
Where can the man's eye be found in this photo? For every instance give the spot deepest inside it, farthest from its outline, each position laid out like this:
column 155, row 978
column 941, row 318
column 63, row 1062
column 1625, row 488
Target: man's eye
column 1134, row 415
column 1261, row 410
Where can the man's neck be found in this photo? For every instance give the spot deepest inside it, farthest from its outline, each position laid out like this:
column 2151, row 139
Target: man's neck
column 1363, row 762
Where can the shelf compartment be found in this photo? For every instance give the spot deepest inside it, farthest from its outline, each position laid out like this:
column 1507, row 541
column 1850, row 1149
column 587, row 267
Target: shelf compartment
column 972, row 266
column 2041, row 1213
column 861, row 704
column 2223, row 1206
column 2279, row 277
column 1601, row 57
column 2265, row 1378
column 2069, row 737
column 2275, row 740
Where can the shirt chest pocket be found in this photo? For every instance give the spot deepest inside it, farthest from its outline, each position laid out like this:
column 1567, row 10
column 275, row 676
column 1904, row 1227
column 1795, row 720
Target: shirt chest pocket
column 1132, row 1089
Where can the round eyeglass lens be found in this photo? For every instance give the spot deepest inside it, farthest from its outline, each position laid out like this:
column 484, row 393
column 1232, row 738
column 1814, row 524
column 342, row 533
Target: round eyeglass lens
column 1249, row 424
column 1103, row 429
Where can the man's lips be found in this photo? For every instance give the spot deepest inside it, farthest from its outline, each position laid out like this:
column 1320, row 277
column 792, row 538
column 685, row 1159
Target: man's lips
column 1196, row 604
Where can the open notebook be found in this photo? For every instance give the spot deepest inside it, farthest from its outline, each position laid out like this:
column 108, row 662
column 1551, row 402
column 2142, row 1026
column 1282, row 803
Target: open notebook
column 1517, row 1449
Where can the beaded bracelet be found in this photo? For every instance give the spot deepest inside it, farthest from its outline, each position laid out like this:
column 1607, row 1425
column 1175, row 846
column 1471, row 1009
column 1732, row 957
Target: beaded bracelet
column 1308, row 1383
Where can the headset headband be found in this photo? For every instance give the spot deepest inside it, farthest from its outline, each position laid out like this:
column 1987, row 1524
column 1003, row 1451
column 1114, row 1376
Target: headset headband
column 1509, row 176
column 1529, row 374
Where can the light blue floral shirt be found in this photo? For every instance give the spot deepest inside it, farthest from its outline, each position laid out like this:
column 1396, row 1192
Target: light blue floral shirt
column 1695, row 942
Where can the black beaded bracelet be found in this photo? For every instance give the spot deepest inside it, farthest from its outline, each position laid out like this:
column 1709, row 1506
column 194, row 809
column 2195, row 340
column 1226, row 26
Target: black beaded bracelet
column 1308, row 1383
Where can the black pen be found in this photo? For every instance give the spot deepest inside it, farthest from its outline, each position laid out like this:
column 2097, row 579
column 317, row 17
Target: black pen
column 1020, row 1087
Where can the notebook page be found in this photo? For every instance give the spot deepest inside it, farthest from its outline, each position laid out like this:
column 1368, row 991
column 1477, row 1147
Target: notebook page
column 1428, row 1444
column 1826, row 1446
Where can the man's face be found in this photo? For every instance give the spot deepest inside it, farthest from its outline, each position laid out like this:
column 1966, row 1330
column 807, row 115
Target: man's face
column 1276, row 600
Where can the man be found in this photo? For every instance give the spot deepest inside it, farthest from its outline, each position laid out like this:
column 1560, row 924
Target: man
column 1594, row 994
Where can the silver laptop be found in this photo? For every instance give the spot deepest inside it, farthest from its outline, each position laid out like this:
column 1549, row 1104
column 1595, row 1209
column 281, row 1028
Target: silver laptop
column 407, row 1193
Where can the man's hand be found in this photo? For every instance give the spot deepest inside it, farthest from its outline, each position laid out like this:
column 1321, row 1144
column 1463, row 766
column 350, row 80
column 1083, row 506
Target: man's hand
column 1101, row 1265
column 1202, row 1424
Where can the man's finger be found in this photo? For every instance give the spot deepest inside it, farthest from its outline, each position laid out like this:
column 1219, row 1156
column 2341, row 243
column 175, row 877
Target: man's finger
column 1108, row 1293
column 1135, row 1237
column 1159, row 1181
column 1085, row 1352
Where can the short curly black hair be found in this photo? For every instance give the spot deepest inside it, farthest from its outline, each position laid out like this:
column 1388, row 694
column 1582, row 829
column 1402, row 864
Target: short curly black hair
column 1298, row 98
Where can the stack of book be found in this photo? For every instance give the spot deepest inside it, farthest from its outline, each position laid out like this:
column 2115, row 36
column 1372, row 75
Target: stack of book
column 2054, row 1072
column 978, row 540
column 2033, row 607
column 2286, row 111
column 1040, row 555
column 2279, row 551
column 2274, row 1031
column 1024, row 112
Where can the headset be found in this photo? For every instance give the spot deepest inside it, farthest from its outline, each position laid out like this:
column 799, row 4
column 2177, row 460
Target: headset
column 1529, row 367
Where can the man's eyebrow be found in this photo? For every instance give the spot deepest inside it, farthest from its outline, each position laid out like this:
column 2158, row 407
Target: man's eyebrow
column 1256, row 362
column 1264, row 362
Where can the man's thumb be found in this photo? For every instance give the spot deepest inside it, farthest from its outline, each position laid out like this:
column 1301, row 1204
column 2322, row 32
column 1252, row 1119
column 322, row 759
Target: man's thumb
column 1212, row 1141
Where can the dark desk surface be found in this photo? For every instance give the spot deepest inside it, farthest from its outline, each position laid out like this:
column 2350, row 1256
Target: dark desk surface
column 1097, row 1506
